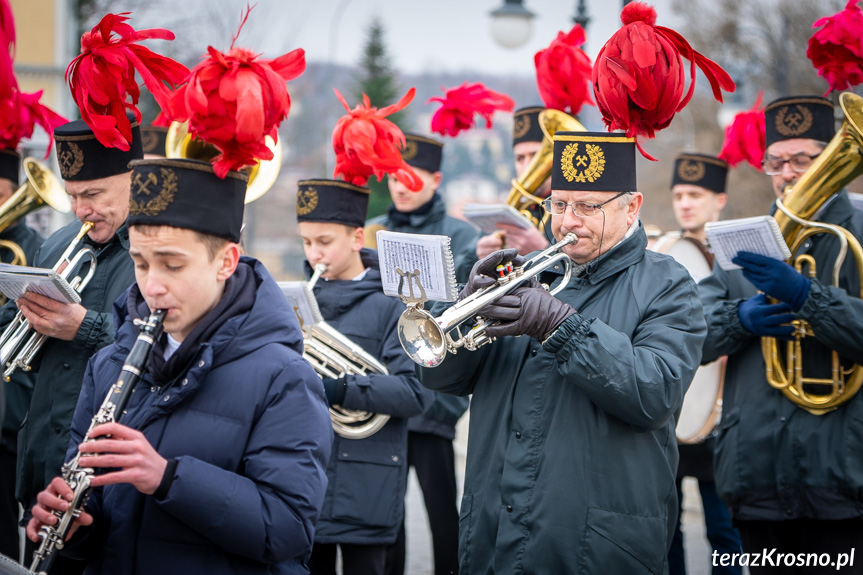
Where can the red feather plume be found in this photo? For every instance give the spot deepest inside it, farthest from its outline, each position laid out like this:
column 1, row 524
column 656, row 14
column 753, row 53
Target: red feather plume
column 563, row 72
column 744, row 137
column 19, row 116
column 7, row 50
column 836, row 49
column 102, row 77
column 161, row 120
column 460, row 104
column 638, row 78
column 367, row 144
column 234, row 99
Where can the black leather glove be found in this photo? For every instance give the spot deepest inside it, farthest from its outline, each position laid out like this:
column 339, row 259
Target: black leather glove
column 335, row 390
column 529, row 311
column 484, row 272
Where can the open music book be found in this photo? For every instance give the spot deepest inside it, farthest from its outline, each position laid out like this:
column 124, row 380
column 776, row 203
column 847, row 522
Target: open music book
column 760, row 235
column 422, row 258
column 15, row 280
column 488, row 217
column 303, row 302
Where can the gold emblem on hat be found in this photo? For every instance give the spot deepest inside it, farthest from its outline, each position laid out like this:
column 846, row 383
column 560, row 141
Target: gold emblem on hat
column 410, row 150
column 307, row 201
column 141, row 186
column 592, row 162
column 149, row 141
column 70, row 157
column 690, row 171
column 793, row 123
column 521, row 126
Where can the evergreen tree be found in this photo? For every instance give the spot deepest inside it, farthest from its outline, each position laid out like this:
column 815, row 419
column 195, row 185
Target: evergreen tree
column 378, row 82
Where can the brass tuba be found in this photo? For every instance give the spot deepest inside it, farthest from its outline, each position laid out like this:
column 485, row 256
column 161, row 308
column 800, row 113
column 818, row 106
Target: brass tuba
column 839, row 163
column 180, row 144
column 333, row 355
column 42, row 188
column 521, row 196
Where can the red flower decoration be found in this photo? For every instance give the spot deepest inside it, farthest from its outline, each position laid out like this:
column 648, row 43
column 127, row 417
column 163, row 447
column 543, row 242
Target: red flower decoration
column 103, row 76
column 460, row 104
column 744, row 137
column 563, row 72
column 836, row 49
column 19, row 116
column 234, row 99
column 638, row 78
column 7, row 50
column 367, row 144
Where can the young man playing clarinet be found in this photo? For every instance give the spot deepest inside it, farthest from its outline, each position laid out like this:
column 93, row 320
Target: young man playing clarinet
column 218, row 463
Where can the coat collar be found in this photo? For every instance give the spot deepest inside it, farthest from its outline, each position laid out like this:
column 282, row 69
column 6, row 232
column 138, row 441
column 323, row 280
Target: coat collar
column 628, row 252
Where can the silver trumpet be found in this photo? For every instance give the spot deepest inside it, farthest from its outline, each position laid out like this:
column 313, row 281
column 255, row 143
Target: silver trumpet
column 20, row 343
column 333, row 355
column 427, row 339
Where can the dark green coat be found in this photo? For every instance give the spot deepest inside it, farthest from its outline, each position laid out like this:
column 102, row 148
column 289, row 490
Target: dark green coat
column 773, row 460
column 572, row 452
column 441, row 418
column 44, row 437
column 17, row 392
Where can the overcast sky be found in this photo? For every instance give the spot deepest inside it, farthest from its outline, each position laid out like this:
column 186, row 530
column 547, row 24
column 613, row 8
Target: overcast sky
column 420, row 35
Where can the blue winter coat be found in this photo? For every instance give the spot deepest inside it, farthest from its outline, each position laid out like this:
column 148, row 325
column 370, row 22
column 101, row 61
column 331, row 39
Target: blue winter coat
column 367, row 477
column 442, row 416
column 572, row 452
column 249, row 426
column 775, row 461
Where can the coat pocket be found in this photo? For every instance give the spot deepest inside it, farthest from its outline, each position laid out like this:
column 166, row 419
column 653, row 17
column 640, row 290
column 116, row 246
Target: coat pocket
column 369, row 484
column 623, row 543
column 726, row 471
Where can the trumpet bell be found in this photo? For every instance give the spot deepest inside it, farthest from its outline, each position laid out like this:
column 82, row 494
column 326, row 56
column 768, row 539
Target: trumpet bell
column 180, row 144
column 422, row 337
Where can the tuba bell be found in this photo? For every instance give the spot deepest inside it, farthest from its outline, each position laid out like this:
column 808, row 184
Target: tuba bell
column 41, row 188
column 839, row 163
column 521, row 196
column 179, row 143
column 333, row 355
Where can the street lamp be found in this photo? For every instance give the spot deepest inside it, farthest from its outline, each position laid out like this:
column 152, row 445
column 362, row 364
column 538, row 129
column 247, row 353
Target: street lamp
column 511, row 24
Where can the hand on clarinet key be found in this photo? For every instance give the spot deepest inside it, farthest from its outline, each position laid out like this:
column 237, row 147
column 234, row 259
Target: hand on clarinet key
column 128, row 451
column 55, row 497
column 50, row 317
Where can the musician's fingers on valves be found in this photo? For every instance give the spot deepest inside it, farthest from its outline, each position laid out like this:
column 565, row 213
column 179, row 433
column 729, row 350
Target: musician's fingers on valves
column 50, row 317
column 55, row 497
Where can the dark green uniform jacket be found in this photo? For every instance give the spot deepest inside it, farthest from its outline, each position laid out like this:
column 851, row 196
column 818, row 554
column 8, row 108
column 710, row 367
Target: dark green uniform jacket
column 44, row 437
column 18, row 391
column 440, row 419
column 773, row 460
column 572, row 452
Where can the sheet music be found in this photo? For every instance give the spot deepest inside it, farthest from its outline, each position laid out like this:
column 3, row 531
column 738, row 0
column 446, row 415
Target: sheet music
column 15, row 280
column 760, row 235
column 430, row 254
column 303, row 302
column 488, row 217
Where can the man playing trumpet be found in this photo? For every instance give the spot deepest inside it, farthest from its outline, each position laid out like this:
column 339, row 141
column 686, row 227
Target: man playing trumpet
column 572, row 452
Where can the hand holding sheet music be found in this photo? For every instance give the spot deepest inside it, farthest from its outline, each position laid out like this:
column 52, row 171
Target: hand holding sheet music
column 489, row 217
column 759, row 235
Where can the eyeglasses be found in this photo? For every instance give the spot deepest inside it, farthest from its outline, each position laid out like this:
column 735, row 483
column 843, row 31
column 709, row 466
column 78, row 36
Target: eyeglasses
column 799, row 163
column 580, row 209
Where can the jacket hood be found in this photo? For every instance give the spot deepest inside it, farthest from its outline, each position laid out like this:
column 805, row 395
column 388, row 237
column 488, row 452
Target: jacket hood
column 270, row 320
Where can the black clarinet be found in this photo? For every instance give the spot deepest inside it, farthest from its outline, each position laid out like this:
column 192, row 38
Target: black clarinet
column 78, row 477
